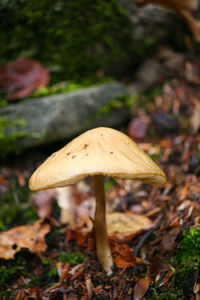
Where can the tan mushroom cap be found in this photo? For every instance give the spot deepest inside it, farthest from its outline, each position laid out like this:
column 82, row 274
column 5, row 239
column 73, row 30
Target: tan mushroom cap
column 98, row 151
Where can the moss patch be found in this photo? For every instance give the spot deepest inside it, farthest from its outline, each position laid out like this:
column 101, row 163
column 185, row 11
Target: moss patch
column 8, row 142
column 10, row 134
column 72, row 258
column 79, row 37
column 11, row 270
column 15, row 209
column 188, row 257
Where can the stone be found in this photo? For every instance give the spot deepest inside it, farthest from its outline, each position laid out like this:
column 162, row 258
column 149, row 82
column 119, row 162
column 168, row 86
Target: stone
column 61, row 117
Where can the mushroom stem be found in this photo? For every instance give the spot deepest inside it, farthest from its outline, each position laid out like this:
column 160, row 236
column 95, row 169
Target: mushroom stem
column 102, row 245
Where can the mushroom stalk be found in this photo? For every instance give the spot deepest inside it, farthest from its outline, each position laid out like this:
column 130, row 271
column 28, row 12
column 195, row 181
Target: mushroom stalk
column 102, row 245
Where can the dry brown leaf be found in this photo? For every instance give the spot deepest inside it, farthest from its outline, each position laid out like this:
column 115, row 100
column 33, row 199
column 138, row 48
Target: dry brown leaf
column 195, row 118
column 123, row 256
column 166, row 278
column 20, row 77
column 122, row 263
column 67, row 205
column 141, row 288
column 3, row 180
column 168, row 242
column 31, row 237
column 158, row 265
column 137, row 127
column 122, row 225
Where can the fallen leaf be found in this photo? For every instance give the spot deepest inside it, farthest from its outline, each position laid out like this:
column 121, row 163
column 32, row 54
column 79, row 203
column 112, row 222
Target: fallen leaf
column 21, row 178
column 158, row 265
column 84, row 239
column 67, row 205
column 20, row 294
column 137, row 128
column 43, row 202
column 20, row 77
column 64, row 274
column 166, row 278
column 123, row 256
column 168, row 242
column 122, row 225
column 195, row 118
column 141, row 288
column 89, row 285
column 3, row 180
column 122, row 263
column 31, row 237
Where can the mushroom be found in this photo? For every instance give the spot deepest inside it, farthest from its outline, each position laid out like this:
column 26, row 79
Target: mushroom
column 97, row 152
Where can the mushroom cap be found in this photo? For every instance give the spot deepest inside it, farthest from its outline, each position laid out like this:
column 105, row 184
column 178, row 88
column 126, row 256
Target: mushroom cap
column 102, row 150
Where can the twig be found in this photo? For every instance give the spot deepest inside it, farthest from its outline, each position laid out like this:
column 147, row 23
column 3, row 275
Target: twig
column 146, row 237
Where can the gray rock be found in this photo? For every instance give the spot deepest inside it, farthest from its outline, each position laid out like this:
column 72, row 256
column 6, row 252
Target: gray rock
column 58, row 117
column 154, row 70
column 151, row 21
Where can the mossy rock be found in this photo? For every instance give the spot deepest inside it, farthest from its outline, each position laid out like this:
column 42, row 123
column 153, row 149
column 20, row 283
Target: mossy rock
column 59, row 117
column 78, row 36
column 81, row 39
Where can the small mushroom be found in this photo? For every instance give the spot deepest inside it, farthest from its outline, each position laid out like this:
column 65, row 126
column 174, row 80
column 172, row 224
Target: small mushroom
column 97, row 152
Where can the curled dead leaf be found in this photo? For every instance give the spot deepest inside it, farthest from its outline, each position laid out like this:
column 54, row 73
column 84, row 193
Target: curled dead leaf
column 20, row 77
column 195, row 118
column 141, row 288
column 122, row 225
column 122, row 263
column 123, row 256
column 31, row 237
column 137, row 128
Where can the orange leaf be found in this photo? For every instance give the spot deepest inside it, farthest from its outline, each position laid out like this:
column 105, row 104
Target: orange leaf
column 141, row 288
column 122, row 263
column 31, row 237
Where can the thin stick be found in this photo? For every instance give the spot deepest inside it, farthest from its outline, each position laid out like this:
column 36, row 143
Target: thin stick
column 102, row 245
column 146, row 237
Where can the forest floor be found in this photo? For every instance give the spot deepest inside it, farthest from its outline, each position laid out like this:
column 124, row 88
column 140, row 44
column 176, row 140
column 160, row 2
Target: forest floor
column 157, row 259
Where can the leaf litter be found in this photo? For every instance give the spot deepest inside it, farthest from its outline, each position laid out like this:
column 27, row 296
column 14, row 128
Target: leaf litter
column 150, row 260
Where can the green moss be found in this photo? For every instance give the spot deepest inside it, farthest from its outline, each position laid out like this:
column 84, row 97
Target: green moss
column 128, row 101
column 115, row 104
column 167, row 294
column 188, row 257
column 9, row 137
column 190, row 247
column 10, row 268
column 52, row 269
column 155, row 156
column 108, row 183
column 8, row 142
column 72, row 258
column 80, row 37
column 66, row 87
column 145, row 97
column 15, row 208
